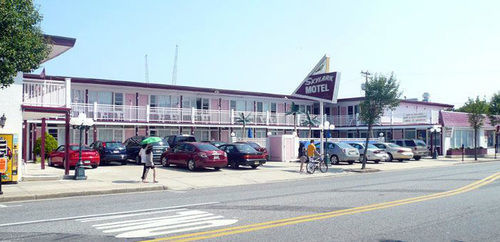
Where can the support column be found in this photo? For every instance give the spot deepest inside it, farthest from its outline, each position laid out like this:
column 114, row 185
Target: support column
column 66, row 144
column 321, row 146
column 33, row 141
column 94, row 132
column 42, row 145
column 24, row 143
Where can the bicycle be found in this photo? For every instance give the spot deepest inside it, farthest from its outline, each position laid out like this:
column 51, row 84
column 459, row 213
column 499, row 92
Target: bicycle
column 316, row 163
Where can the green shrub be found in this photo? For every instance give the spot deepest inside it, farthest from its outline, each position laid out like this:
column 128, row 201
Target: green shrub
column 50, row 145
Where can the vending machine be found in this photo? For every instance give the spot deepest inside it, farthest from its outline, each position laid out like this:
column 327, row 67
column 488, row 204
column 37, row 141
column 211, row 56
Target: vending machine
column 8, row 151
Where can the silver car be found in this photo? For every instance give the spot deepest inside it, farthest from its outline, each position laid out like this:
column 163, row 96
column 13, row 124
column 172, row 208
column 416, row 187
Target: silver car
column 395, row 151
column 373, row 153
column 341, row 152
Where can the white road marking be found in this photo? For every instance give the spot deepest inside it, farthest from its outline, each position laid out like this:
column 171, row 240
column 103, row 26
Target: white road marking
column 84, row 220
column 8, row 206
column 104, row 214
column 173, row 221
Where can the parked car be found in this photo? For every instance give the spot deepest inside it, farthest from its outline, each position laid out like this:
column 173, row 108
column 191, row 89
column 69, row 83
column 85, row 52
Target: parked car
column 373, row 153
column 214, row 143
column 257, row 147
column 395, row 151
column 418, row 147
column 195, row 155
column 242, row 154
column 173, row 140
column 133, row 146
column 110, row 151
column 340, row 152
column 90, row 157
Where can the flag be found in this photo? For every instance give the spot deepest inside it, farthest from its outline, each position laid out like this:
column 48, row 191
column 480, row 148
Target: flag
column 42, row 74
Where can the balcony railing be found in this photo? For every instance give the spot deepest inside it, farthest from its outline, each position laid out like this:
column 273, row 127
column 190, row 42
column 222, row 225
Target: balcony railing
column 44, row 93
column 126, row 113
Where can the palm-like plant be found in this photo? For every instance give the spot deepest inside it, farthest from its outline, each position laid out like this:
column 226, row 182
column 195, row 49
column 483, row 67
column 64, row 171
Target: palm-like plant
column 310, row 122
column 244, row 120
column 294, row 110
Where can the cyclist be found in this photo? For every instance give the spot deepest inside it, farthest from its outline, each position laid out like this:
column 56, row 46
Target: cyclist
column 311, row 152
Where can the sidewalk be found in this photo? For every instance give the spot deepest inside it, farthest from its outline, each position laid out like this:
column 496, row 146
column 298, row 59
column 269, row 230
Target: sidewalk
column 120, row 179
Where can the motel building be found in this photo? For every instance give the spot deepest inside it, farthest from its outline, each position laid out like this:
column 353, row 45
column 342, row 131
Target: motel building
column 122, row 109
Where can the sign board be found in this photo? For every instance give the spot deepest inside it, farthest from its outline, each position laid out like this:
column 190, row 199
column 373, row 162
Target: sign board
column 413, row 118
column 448, row 132
column 3, row 165
column 320, row 85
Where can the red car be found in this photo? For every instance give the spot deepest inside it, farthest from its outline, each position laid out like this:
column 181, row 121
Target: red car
column 258, row 148
column 90, row 157
column 195, row 155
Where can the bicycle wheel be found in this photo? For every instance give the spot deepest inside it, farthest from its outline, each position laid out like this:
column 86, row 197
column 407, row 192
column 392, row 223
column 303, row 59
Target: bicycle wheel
column 311, row 167
column 323, row 167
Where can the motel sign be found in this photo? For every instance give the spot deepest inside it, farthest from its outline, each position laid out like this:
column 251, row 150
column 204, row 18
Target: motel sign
column 320, row 87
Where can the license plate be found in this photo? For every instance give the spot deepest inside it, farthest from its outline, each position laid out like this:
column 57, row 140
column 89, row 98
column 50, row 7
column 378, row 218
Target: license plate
column 256, row 162
column 216, row 157
column 116, row 151
column 86, row 162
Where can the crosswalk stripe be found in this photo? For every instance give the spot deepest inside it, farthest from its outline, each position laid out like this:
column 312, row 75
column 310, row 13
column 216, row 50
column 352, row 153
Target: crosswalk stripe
column 85, row 220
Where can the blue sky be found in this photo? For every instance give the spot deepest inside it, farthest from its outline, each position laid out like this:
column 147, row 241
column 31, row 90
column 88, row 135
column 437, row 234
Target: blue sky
column 447, row 48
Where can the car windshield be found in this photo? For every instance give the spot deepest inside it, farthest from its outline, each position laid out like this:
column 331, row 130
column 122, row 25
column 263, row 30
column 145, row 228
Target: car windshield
column 372, row 146
column 186, row 139
column 254, row 145
column 205, row 147
column 245, row 148
column 114, row 145
column 344, row 145
column 76, row 148
column 394, row 145
column 420, row 143
column 160, row 143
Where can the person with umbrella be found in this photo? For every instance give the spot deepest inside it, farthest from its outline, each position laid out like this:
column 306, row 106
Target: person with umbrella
column 146, row 154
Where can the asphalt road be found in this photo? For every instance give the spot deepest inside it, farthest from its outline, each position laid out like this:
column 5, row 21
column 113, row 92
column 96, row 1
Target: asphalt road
column 439, row 204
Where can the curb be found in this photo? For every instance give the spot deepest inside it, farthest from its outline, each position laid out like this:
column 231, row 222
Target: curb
column 82, row 193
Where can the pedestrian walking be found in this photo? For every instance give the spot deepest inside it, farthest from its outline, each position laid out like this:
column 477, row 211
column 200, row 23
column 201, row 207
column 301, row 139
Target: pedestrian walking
column 146, row 154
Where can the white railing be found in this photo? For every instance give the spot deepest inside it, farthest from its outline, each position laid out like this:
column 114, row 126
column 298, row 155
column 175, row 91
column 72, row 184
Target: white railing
column 44, row 93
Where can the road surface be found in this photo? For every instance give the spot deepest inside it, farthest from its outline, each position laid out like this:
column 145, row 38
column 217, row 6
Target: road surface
column 456, row 203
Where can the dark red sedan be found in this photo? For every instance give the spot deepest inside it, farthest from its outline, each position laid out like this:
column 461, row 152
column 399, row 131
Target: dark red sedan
column 195, row 155
column 90, row 157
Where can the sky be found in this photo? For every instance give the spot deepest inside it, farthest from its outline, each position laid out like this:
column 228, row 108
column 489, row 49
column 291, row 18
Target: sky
column 447, row 48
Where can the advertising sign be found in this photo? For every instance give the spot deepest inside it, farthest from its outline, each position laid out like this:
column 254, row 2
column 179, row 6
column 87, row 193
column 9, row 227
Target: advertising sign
column 318, row 84
column 3, row 165
column 413, row 118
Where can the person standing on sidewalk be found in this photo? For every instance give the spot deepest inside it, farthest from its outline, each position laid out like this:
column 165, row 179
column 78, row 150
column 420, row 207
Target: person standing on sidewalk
column 149, row 164
column 311, row 152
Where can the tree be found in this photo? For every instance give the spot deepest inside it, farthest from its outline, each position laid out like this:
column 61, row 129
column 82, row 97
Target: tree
column 294, row 110
column 310, row 122
column 244, row 120
column 477, row 110
column 494, row 116
column 381, row 92
column 50, row 145
column 22, row 45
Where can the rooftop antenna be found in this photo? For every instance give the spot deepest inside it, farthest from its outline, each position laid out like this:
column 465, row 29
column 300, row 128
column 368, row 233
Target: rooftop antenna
column 146, row 74
column 174, row 71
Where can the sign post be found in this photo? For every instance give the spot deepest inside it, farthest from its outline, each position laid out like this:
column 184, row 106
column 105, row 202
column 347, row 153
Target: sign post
column 322, row 86
column 3, row 169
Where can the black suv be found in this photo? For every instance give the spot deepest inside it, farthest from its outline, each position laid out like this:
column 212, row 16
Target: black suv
column 133, row 146
column 110, row 151
column 174, row 139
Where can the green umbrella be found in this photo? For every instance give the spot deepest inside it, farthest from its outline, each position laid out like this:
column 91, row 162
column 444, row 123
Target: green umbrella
column 151, row 140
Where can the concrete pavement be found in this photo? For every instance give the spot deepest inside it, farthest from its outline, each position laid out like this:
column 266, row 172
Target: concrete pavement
column 121, row 179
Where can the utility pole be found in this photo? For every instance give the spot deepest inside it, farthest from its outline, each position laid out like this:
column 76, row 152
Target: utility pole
column 146, row 72
column 366, row 74
column 174, row 71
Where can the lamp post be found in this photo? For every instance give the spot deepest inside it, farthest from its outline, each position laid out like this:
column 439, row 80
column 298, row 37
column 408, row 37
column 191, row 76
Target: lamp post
column 81, row 123
column 381, row 135
column 2, row 120
column 435, row 130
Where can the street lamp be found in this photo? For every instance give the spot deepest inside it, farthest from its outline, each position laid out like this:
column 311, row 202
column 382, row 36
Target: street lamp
column 81, row 123
column 381, row 135
column 435, row 130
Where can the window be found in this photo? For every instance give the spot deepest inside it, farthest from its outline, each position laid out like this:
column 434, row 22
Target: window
column 101, row 97
column 260, row 107
column 77, row 96
column 350, row 110
column 356, row 109
column 202, row 103
column 118, row 98
column 273, row 107
column 490, row 135
column 160, row 101
column 240, row 105
column 233, row 105
column 302, row 108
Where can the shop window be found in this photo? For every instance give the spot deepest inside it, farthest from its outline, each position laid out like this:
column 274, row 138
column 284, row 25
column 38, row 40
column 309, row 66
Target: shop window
column 490, row 135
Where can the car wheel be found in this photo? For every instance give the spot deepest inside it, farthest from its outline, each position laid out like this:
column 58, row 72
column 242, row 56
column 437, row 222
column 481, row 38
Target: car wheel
column 254, row 167
column 390, row 157
column 124, row 162
column 137, row 160
column 191, row 165
column 217, row 168
column 164, row 162
column 334, row 160
column 417, row 157
column 377, row 161
column 351, row 162
column 235, row 165
column 94, row 166
column 400, row 160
